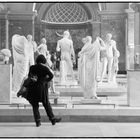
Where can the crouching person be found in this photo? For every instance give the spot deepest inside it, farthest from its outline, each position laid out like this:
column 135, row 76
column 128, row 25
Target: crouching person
column 37, row 92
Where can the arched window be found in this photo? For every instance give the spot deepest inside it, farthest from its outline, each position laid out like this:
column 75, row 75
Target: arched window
column 66, row 13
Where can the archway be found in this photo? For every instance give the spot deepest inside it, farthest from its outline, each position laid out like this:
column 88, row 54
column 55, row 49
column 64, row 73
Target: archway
column 58, row 17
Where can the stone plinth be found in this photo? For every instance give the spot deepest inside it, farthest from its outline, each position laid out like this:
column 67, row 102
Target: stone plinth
column 69, row 82
column 91, row 101
column 133, row 88
column 5, row 83
column 107, row 85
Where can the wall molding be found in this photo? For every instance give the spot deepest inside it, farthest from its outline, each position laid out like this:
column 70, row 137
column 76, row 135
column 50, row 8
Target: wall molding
column 110, row 15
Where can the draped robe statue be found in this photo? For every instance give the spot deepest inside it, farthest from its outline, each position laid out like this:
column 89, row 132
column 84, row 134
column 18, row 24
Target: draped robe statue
column 32, row 49
column 21, row 61
column 88, row 64
column 115, row 66
column 65, row 45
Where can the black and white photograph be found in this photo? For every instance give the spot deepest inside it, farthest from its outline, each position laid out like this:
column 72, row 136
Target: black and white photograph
column 70, row 69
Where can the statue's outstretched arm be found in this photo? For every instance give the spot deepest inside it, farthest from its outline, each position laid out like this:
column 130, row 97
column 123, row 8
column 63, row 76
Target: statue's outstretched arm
column 58, row 34
column 58, row 47
column 72, row 50
column 114, row 45
column 34, row 46
column 102, row 43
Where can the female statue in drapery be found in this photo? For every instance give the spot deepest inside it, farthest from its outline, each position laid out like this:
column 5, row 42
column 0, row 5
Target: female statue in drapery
column 88, row 65
column 32, row 49
column 65, row 45
column 21, row 61
column 115, row 66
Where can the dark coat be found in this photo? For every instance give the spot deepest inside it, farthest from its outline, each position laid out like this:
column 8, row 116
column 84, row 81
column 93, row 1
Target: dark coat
column 38, row 91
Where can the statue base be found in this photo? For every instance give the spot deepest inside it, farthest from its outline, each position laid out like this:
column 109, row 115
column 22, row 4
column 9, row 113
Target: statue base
column 56, row 93
column 107, row 85
column 69, row 83
column 5, row 83
column 91, row 101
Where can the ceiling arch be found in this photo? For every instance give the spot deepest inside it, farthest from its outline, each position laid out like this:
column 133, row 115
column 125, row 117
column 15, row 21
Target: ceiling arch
column 90, row 8
column 66, row 13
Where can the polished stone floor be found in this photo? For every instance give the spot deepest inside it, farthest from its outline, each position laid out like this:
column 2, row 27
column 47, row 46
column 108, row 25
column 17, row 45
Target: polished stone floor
column 69, row 130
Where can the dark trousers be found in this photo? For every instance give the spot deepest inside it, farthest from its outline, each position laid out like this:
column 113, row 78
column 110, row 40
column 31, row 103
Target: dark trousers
column 48, row 108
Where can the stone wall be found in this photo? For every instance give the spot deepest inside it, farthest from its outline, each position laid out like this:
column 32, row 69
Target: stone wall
column 5, row 83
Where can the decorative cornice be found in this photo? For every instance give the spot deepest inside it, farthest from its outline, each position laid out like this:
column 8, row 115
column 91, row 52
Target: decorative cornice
column 105, row 15
column 17, row 16
column 21, row 16
column 135, row 6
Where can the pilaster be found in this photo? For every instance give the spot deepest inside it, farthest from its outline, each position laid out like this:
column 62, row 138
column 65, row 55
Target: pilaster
column 130, row 39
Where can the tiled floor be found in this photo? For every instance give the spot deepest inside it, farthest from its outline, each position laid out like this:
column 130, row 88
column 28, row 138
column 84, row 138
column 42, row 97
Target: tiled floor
column 70, row 130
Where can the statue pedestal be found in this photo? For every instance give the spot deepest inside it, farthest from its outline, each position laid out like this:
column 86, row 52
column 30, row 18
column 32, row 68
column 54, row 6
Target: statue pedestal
column 69, row 83
column 107, row 85
column 91, row 101
column 133, row 88
column 5, row 83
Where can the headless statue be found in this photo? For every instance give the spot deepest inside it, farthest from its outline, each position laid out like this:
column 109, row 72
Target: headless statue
column 21, row 61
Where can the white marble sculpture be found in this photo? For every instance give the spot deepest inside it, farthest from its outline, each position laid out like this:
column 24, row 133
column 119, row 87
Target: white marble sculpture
column 65, row 45
column 32, row 49
column 6, row 55
column 107, row 59
column 42, row 48
column 21, row 61
column 88, row 64
column 115, row 66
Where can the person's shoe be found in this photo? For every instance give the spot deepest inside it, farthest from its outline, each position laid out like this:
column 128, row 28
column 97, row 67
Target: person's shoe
column 38, row 124
column 53, row 121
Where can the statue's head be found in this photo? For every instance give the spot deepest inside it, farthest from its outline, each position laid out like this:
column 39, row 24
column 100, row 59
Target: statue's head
column 29, row 37
column 66, row 34
column 109, row 36
column 5, row 54
column 43, row 40
column 89, row 39
column 84, row 40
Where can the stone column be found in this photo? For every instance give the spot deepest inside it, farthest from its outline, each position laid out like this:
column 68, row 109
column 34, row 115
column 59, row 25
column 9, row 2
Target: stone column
column 130, row 39
column 33, row 24
column 133, row 75
column 7, row 30
column 33, row 27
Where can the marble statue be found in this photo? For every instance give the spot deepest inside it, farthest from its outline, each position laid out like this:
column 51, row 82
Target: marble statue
column 88, row 66
column 6, row 53
column 115, row 66
column 42, row 48
column 32, row 49
column 21, row 61
column 103, row 60
column 48, row 59
column 107, row 58
column 65, row 45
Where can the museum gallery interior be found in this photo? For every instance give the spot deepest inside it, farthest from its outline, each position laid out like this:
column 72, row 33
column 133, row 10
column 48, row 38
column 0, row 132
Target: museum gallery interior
column 81, row 24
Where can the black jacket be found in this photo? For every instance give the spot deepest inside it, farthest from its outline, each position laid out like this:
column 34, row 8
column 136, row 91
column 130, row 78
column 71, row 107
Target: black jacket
column 38, row 91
